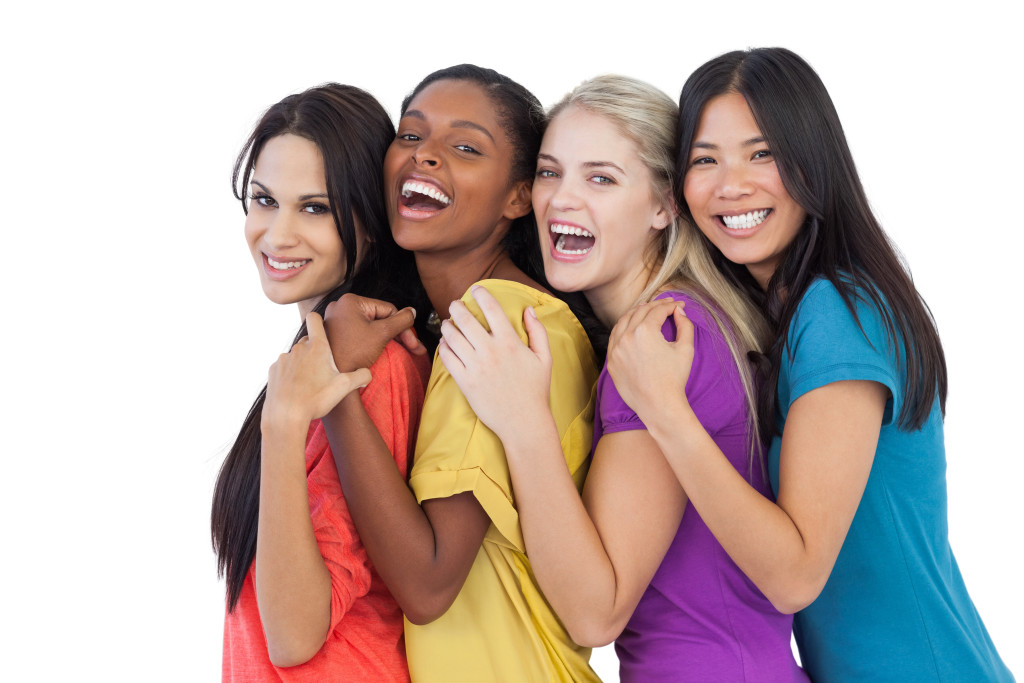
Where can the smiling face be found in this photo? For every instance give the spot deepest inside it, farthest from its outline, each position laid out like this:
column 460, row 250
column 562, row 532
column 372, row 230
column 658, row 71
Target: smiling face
column 290, row 230
column 597, row 211
column 734, row 191
column 447, row 173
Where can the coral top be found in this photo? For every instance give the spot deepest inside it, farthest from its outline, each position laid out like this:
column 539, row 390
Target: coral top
column 365, row 642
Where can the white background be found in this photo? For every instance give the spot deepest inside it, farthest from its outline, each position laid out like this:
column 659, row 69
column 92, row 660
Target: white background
column 135, row 334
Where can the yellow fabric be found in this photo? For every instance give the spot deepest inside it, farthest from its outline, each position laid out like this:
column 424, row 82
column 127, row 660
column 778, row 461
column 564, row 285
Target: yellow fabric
column 500, row 627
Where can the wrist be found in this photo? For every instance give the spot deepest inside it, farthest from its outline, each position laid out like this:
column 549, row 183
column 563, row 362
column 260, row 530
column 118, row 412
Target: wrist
column 517, row 440
column 283, row 424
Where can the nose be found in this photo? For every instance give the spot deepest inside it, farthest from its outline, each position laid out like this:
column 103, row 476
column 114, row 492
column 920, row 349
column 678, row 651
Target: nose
column 280, row 231
column 426, row 155
column 734, row 182
column 564, row 196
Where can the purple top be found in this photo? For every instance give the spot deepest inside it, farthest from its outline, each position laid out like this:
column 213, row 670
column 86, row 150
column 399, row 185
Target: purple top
column 702, row 619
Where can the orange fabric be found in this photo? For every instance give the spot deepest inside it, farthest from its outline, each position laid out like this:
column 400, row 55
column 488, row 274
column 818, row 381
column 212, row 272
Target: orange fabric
column 365, row 641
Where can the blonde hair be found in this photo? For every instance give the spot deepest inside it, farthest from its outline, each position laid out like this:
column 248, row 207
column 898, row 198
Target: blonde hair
column 677, row 257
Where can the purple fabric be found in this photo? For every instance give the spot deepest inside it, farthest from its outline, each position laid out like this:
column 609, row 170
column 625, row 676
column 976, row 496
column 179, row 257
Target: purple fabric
column 701, row 619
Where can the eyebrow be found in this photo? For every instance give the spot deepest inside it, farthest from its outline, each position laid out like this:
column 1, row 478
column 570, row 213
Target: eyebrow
column 600, row 164
column 302, row 198
column 458, row 123
column 746, row 143
column 585, row 164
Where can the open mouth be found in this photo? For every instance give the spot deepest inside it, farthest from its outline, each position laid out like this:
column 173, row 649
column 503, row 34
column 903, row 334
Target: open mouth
column 745, row 221
column 422, row 199
column 286, row 265
column 281, row 269
column 570, row 240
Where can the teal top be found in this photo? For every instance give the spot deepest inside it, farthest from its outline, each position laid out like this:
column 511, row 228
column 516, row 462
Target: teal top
column 895, row 607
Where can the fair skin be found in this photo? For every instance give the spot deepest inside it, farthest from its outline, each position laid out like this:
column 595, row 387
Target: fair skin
column 595, row 564
column 289, row 228
column 734, row 191
column 300, row 256
column 788, row 547
column 450, row 144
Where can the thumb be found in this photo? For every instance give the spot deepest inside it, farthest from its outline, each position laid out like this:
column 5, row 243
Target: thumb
column 538, row 334
column 398, row 321
column 684, row 328
column 375, row 309
column 345, row 382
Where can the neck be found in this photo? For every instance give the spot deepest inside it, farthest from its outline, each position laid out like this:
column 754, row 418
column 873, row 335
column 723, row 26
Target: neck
column 305, row 307
column 446, row 277
column 613, row 300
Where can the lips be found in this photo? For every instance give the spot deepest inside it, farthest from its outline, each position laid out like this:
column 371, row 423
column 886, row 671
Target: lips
column 421, row 198
column 745, row 221
column 279, row 268
column 569, row 242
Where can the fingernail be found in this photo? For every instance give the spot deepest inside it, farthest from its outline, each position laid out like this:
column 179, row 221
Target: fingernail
column 474, row 289
column 533, row 313
column 413, row 312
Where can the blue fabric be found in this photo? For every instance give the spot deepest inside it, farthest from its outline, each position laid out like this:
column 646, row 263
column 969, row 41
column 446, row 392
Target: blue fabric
column 895, row 607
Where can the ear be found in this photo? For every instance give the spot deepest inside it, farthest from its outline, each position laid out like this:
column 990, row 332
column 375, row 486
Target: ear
column 519, row 198
column 666, row 212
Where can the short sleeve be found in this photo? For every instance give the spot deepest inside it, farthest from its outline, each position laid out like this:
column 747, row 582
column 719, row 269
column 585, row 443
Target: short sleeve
column 828, row 344
column 393, row 400
column 456, row 452
column 714, row 389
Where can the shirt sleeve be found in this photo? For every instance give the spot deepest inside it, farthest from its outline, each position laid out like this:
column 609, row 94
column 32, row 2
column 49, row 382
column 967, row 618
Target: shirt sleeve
column 457, row 453
column 393, row 400
column 713, row 390
column 828, row 344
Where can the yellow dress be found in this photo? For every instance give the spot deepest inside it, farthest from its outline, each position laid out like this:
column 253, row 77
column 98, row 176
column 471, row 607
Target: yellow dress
column 500, row 627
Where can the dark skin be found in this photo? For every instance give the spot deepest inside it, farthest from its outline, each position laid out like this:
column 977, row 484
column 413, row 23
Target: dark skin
column 424, row 552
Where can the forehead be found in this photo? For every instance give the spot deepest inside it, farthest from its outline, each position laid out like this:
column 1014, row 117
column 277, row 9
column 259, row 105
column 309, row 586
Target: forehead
column 449, row 100
column 586, row 136
column 727, row 116
column 290, row 160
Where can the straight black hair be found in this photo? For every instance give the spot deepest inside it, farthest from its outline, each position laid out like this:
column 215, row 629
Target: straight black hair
column 352, row 131
column 841, row 239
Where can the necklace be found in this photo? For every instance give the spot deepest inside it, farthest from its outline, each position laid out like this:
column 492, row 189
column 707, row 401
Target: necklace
column 434, row 323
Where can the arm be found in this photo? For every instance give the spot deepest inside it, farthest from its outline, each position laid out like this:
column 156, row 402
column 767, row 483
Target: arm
column 787, row 548
column 293, row 586
column 424, row 554
column 596, row 562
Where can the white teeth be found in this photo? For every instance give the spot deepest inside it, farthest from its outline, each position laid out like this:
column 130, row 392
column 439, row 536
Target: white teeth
column 286, row 265
column 420, row 188
column 560, row 229
column 560, row 247
column 746, row 221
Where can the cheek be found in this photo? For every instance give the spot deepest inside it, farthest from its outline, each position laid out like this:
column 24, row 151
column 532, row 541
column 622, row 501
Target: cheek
column 392, row 164
column 539, row 198
column 691, row 192
column 251, row 230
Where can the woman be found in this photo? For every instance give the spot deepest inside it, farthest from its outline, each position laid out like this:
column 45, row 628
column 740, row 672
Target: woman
column 458, row 177
column 631, row 561
column 857, row 543
column 304, row 604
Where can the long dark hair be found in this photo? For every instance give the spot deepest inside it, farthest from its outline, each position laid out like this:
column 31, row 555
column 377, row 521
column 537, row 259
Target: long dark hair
column 523, row 120
column 841, row 239
column 353, row 132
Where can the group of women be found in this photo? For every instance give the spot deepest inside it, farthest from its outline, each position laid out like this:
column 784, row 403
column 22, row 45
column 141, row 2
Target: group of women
column 764, row 439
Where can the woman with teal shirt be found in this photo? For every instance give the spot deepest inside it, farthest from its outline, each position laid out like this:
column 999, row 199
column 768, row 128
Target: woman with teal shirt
column 853, row 394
